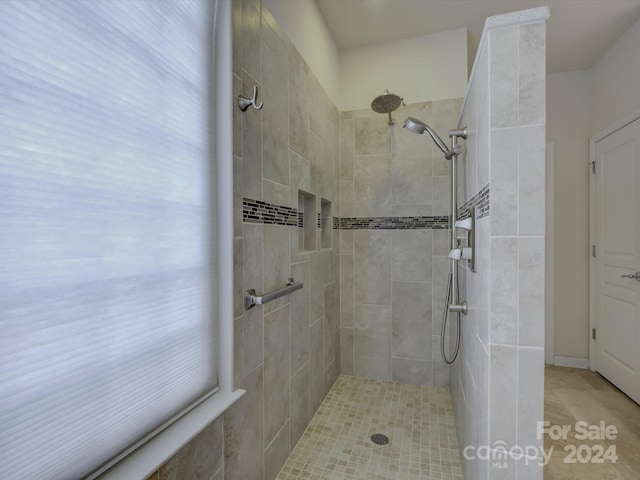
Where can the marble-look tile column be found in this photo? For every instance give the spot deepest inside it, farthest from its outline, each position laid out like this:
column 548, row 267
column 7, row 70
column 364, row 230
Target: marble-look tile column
column 497, row 383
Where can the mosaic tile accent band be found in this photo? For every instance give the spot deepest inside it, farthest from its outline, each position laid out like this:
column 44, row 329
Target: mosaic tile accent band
column 256, row 211
column 393, row 223
column 480, row 200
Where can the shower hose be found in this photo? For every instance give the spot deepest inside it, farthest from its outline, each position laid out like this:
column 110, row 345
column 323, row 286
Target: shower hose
column 445, row 316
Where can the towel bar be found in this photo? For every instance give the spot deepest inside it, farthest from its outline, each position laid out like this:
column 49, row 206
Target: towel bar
column 251, row 299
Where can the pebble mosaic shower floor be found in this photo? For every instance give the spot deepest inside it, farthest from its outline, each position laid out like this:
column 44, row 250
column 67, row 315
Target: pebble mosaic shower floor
column 419, row 422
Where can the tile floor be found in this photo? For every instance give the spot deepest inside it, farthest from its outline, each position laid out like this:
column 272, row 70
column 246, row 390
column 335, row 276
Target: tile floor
column 572, row 395
column 420, row 424
column 418, row 420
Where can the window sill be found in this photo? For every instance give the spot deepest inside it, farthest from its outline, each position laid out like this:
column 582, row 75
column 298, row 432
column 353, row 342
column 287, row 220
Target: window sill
column 156, row 451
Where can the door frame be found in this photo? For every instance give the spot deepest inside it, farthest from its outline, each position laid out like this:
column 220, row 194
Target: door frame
column 620, row 124
column 549, row 295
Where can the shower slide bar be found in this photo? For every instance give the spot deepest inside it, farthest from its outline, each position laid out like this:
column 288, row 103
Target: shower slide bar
column 251, row 299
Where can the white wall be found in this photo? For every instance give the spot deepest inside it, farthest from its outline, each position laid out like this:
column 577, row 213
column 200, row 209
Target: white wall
column 302, row 22
column 420, row 69
column 616, row 81
column 579, row 105
column 568, row 123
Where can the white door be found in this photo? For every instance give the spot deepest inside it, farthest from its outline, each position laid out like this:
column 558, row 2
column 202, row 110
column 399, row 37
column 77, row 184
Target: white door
column 617, row 233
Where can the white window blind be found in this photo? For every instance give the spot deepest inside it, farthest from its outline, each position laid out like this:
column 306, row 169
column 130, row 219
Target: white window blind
column 106, row 228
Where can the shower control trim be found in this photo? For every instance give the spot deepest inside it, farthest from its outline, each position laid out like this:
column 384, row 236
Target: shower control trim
column 466, row 230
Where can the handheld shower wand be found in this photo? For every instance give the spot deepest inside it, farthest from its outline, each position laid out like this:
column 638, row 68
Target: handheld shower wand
column 452, row 301
column 419, row 127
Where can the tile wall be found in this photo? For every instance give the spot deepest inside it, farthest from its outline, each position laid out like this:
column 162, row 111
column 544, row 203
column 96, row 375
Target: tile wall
column 286, row 352
column 394, row 190
column 497, row 383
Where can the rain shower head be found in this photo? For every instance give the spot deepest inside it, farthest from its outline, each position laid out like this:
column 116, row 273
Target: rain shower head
column 386, row 103
column 419, row 127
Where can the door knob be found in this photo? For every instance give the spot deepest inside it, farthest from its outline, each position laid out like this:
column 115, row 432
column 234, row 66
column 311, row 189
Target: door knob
column 632, row 275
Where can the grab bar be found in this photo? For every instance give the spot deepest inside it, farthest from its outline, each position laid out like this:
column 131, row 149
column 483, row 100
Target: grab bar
column 251, row 299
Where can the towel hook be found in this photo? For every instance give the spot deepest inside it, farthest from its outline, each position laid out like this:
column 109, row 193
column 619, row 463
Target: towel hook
column 245, row 103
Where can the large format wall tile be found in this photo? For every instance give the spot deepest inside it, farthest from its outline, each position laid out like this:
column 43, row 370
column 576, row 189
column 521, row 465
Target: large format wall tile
column 347, row 289
column 412, row 257
column 275, row 38
column 371, row 136
column 504, row 290
column 504, row 77
column 243, row 427
column 316, row 288
column 409, row 370
column 252, row 278
column 504, row 393
column 372, row 185
column 300, row 318
column 300, row 415
column 532, row 74
column 531, row 291
column 346, row 350
column 411, row 180
column 441, row 200
column 372, row 267
column 504, row 182
column 198, row 460
column 346, row 147
column 277, row 452
column 411, row 304
column 316, row 368
column 328, row 327
column 251, row 38
column 298, row 104
column 276, row 267
column 373, row 342
column 277, row 376
column 275, row 119
column 251, row 143
column 531, row 176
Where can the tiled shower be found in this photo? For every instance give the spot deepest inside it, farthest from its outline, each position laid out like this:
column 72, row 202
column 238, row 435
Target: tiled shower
column 357, row 211
column 394, row 241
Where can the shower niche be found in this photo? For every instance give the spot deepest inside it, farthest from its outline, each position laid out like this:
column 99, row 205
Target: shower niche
column 307, row 237
column 326, row 224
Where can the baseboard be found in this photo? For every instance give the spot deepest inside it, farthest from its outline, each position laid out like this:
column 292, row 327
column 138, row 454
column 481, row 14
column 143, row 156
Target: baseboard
column 573, row 362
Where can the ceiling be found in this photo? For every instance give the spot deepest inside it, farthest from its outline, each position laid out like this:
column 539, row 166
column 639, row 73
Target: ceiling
column 578, row 33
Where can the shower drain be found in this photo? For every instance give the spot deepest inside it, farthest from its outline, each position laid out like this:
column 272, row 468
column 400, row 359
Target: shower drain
column 379, row 439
